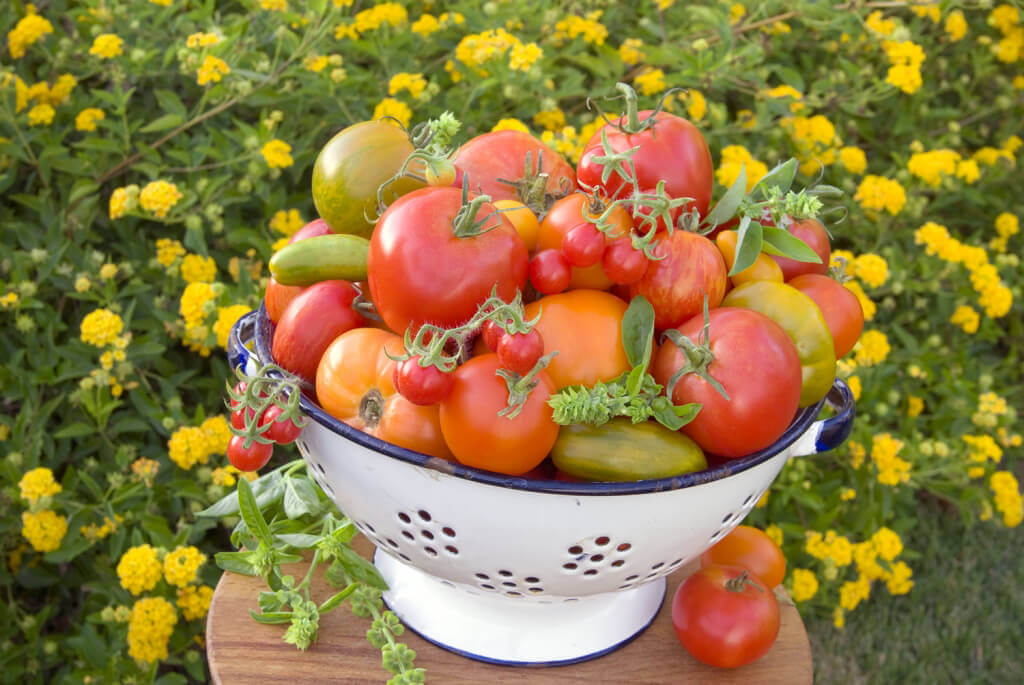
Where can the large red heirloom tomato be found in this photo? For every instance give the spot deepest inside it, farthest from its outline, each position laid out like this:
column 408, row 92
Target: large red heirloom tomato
column 495, row 162
column 421, row 272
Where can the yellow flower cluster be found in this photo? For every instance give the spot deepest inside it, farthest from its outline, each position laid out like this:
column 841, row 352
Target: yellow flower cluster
column 853, row 159
column 1007, row 225
column 428, row 23
column 168, row 250
column 41, row 115
column 1007, row 497
column 123, row 200
column 158, row 197
column 87, row 118
column 879, row 24
column 836, row 548
column 990, row 407
column 877, row 193
column 415, row 84
column 735, row 157
column 9, row 300
column 202, row 40
column 225, row 475
column 198, row 269
column 775, row 533
column 191, row 445
column 932, row 166
column 98, row 532
column 145, row 469
column 287, row 222
column 871, row 269
column 182, row 564
column 966, row 317
column 650, row 82
column 38, row 483
column 929, row 10
column 274, row 5
column 45, row 94
column 193, row 303
column 101, row 327
column 277, row 153
column 550, row 119
column 905, row 59
column 891, row 469
column 226, row 319
column 139, row 569
column 524, row 56
column 567, row 141
column 786, row 91
column 194, row 601
column 107, row 46
column 872, row 348
column 390, row 107
column 27, row 31
column 994, row 296
column 589, row 28
column 804, row 585
column 1007, row 19
column 956, row 25
column 212, row 70
column 44, row 529
column 383, row 14
column 982, row 448
column 149, row 629
column 630, row 51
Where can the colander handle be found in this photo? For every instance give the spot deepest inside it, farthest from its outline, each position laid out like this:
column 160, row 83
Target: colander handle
column 832, row 432
column 241, row 337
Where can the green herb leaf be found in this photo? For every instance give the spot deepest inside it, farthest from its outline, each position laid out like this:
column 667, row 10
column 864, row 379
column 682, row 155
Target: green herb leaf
column 726, row 208
column 266, row 489
column 781, row 177
column 748, row 245
column 779, row 241
column 638, row 331
column 299, row 497
column 338, row 598
column 251, row 513
column 271, row 617
column 299, row 540
column 361, row 570
column 237, row 562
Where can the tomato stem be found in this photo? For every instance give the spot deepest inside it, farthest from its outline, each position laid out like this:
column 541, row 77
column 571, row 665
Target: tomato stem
column 520, row 387
column 268, row 385
column 371, row 407
column 740, row 583
column 465, row 223
column 698, row 356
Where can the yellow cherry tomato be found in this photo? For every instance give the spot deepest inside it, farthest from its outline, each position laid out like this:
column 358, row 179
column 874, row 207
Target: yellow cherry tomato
column 764, row 267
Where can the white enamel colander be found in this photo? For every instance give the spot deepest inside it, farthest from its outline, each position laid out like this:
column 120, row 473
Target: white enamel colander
column 517, row 571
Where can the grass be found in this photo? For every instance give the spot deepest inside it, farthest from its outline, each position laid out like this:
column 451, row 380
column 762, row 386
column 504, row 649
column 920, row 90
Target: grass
column 963, row 622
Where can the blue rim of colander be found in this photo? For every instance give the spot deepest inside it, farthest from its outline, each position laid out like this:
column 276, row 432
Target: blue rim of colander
column 837, row 427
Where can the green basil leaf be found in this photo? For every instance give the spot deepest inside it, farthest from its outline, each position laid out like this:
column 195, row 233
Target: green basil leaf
column 780, row 242
column 781, row 177
column 726, row 208
column 299, row 497
column 748, row 245
column 236, row 562
column 299, row 540
column 251, row 513
column 635, row 380
column 638, row 331
column 361, row 570
column 266, row 489
column 337, row 598
column 271, row 617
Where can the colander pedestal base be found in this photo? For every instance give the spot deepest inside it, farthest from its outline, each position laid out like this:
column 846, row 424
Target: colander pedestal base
column 517, row 631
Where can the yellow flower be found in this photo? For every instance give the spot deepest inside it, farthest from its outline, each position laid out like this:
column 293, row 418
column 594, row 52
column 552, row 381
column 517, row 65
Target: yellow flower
column 139, row 569
column 966, row 318
column 38, row 483
column 100, row 327
column 149, row 629
column 287, row 222
column 891, row 469
column 181, row 565
column 905, row 59
column 1007, row 224
column 878, row 193
column 158, row 197
column 876, row 22
column 855, row 386
column 212, row 70
column 697, row 106
column 630, row 51
column 982, row 448
column 202, row 40
column 106, row 46
column 87, row 118
column 198, row 269
column 226, row 318
column 839, row 618
column 872, row 348
column 390, row 107
column 857, row 453
column 274, row 5
column 967, row 169
column 523, row 56
column 168, row 250
column 277, row 154
column 383, row 14
column 510, row 124
column 899, row 582
column 805, row 584
column 932, row 166
column 1012, row 144
column 27, row 31
column 145, row 469
column 44, row 529
column 736, row 12
column 930, row 10
column 887, row 543
column 735, row 157
column 414, row 83
column 915, row 405
column 187, row 447
column 853, row 159
column 41, row 115
column 956, row 25
column 786, row 91
column 853, row 592
column 871, row 269
column 551, row 119
column 990, row 156
column 194, row 601
column 1008, row 500
column 847, row 494
column 775, row 533
column 650, row 81
column 591, row 30
column 123, row 200
column 425, row 25
column 9, row 300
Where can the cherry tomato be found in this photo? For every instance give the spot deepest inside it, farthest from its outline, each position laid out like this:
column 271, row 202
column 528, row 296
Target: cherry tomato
column 840, row 307
column 550, row 273
column 238, row 418
column 313, row 319
column 524, row 220
column 758, row 367
column 622, row 263
column 672, row 149
column 585, row 327
column 282, row 432
column 479, row 437
column 491, row 334
column 583, row 245
column 277, row 297
column 355, row 383
column 251, row 458
column 420, row 271
column 749, row 548
column 813, row 233
column 725, row 617
column 568, row 213
column 495, row 164
column 687, row 268
column 519, row 352
column 422, row 385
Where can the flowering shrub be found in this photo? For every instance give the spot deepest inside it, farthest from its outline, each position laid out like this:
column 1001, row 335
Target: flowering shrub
column 153, row 153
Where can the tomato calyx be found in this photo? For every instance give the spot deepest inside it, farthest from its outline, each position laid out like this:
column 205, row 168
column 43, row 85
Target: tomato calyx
column 532, row 189
column 465, row 224
column 741, row 582
column 269, row 386
column 629, row 123
column 698, row 355
column 371, row 407
column 430, row 162
column 520, row 387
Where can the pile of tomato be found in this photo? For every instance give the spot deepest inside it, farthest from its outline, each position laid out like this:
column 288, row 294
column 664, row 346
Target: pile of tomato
column 470, row 301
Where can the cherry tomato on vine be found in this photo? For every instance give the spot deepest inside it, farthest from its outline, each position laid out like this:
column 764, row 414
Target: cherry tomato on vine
column 622, row 263
column 583, row 245
column 842, row 311
column 752, row 549
column 491, row 333
column 519, row 352
column 725, row 617
column 251, row 458
column 550, row 273
column 282, row 432
column 570, row 212
column 495, row 163
column 422, row 385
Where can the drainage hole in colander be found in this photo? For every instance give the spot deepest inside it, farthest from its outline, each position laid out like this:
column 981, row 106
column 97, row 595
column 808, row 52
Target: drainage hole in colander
column 392, row 543
column 448, row 583
column 483, row 576
column 536, row 590
column 653, row 574
column 451, row 549
column 602, row 541
column 624, row 547
column 676, row 563
column 403, row 517
column 590, row 572
column 513, row 593
column 509, row 584
column 596, row 558
column 505, row 574
column 317, row 465
column 625, row 586
column 618, row 562
column 633, row 577
column 427, row 534
column 405, row 556
column 575, row 549
column 571, row 599
column 486, row 586
column 658, row 565
column 748, row 499
column 569, row 567
column 408, row 536
column 448, row 531
column 531, row 579
column 368, row 527
column 727, row 518
column 431, row 551
column 423, row 515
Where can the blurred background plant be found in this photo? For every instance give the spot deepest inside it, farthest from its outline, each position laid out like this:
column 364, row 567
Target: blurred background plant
column 153, row 152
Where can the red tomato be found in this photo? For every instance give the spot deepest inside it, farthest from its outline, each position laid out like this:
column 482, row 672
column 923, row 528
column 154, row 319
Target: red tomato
column 813, row 233
column 281, row 432
column 479, row 437
column 422, row 385
column 277, row 297
column 749, row 548
column 251, row 458
column 520, row 352
column 673, row 150
column 688, row 267
column 756, row 363
column 491, row 334
column 550, row 273
column 420, row 272
column 583, row 246
column 310, row 322
column 585, row 327
column 568, row 213
column 355, row 383
column 622, row 263
column 312, row 229
column 840, row 307
column 494, row 162
column 724, row 618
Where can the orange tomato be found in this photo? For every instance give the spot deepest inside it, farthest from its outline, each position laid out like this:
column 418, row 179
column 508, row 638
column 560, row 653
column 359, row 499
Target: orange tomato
column 752, row 549
column 277, row 297
column 585, row 327
column 354, row 383
column 764, row 267
column 523, row 219
column 565, row 215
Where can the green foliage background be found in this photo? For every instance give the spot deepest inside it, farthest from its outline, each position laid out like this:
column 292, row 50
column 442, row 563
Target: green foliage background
column 294, row 76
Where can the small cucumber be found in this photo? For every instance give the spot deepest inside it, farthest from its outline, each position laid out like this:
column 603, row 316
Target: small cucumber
column 336, row 256
column 621, row 450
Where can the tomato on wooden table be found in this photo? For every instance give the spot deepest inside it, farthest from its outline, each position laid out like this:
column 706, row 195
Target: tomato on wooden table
column 750, row 548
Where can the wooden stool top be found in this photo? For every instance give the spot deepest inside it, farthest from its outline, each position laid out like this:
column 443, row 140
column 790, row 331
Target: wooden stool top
column 241, row 651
